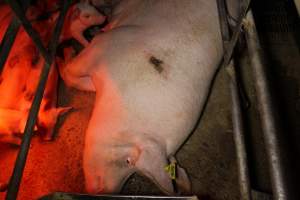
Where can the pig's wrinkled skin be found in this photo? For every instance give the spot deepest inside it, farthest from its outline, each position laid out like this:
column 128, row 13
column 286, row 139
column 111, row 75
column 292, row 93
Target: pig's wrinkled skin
column 151, row 70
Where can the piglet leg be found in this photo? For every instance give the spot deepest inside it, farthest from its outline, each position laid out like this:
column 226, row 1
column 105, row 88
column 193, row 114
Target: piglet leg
column 11, row 122
column 49, row 114
column 10, row 139
column 48, row 119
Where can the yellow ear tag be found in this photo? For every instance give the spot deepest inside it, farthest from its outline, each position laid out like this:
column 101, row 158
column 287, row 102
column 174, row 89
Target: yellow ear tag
column 171, row 169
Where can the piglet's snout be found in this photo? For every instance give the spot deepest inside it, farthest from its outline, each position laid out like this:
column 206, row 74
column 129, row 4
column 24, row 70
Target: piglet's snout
column 94, row 185
column 97, row 185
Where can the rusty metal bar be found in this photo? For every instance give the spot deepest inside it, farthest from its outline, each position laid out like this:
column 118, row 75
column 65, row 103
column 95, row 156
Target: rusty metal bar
column 29, row 29
column 269, row 116
column 237, row 117
column 15, row 180
column 10, row 36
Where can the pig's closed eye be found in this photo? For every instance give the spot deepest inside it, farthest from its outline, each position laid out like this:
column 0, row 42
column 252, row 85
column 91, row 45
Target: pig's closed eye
column 86, row 16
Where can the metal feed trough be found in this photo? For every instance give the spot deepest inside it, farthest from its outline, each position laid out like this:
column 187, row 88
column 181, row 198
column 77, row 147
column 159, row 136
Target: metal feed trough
column 269, row 115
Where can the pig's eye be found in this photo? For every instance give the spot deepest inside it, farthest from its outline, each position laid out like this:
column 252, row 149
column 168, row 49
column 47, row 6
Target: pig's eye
column 86, row 16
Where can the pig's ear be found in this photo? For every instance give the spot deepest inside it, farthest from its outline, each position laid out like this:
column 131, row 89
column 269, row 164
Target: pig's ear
column 63, row 110
column 54, row 17
column 75, row 13
column 183, row 184
column 151, row 162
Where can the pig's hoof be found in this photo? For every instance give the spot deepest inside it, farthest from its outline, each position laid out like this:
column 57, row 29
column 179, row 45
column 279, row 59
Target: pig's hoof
column 48, row 138
column 47, row 134
column 11, row 139
column 3, row 187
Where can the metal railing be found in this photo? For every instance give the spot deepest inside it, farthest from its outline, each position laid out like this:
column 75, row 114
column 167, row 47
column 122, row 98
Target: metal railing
column 269, row 115
column 48, row 54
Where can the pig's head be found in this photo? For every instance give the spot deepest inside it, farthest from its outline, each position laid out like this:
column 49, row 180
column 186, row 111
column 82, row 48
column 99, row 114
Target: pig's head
column 109, row 163
column 80, row 17
column 87, row 14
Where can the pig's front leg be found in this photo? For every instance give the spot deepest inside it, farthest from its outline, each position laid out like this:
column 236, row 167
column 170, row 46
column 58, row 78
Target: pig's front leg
column 80, row 38
column 79, row 70
column 49, row 113
column 75, row 71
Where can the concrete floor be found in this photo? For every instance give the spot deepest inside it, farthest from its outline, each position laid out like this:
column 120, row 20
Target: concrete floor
column 208, row 155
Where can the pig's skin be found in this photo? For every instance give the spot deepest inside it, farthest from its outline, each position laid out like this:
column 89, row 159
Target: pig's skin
column 151, row 70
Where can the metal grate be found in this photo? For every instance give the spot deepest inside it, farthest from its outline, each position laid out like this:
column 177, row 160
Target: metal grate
column 48, row 54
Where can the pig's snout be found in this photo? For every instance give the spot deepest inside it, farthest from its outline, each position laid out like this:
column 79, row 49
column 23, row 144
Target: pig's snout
column 94, row 185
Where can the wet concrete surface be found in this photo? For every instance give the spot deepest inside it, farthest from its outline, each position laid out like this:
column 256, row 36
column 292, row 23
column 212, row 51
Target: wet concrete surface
column 208, row 155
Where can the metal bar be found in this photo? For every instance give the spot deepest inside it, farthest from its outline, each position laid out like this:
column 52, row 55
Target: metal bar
column 237, row 117
column 9, row 37
column 15, row 180
column 223, row 22
column 269, row 117
column 239, row 136
column 29, row 29
column 67, row 196
column 235, row 36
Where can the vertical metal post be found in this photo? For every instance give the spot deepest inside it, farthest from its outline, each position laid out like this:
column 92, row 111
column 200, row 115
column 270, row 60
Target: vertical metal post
column 239, row 136
column 237, row 117
column 15, row 180
column 269, row 117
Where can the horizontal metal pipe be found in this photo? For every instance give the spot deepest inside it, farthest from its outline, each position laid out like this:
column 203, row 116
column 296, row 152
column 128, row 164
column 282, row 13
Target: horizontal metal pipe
column 61, row 195
column 10, row 36
column 269, row 116
column 15, row 180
